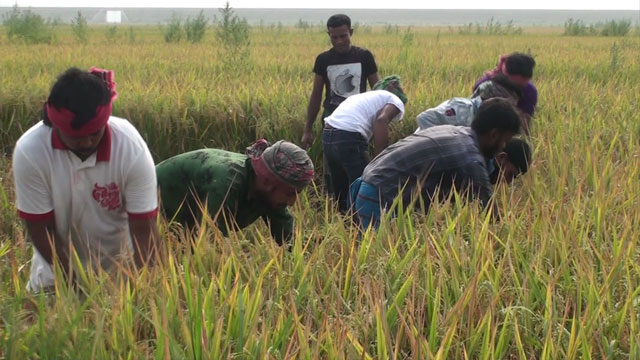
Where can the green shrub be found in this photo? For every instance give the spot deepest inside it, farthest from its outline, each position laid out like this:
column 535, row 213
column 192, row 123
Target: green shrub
column 195, row 28
column 80, row 28
column 131, row 34
column 27, row 27
column 492, row 27
column 616, row 28
column 232, row 33
column 575, row 27
column 112, row 33
column 173, row 31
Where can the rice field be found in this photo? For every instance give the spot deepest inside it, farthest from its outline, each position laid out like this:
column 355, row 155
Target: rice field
column 557, row 278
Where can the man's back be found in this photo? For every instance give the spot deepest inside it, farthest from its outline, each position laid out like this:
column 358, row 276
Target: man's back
column 214, row 175
column 456, row 111
column 358, row 112
column 443, row 156
column 528, row 99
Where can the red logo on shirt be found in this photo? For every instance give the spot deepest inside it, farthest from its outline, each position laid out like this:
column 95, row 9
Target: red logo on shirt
column 450, row 112
column 108, row 196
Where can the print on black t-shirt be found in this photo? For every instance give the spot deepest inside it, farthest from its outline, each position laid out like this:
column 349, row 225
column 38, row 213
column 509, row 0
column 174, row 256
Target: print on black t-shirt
column 345, row 74
column 344, row 80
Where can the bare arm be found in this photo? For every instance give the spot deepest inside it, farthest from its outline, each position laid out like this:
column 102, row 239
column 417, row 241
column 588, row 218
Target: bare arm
column 312, row 110
column 144, row 234
column 381, row 128
column 44, row 238
column 373, row 79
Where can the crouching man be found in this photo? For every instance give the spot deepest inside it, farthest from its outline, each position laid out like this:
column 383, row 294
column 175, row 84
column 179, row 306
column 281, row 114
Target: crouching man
column 236, row 189
column 84, row 179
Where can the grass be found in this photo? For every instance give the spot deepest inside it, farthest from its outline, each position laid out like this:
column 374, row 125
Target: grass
column 558, row 278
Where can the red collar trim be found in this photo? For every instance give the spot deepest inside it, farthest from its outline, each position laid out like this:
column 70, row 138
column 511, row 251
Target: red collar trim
column 104, row 147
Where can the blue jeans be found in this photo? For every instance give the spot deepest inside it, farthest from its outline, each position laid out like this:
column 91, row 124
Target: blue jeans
column 346, row 154
column 365, row 203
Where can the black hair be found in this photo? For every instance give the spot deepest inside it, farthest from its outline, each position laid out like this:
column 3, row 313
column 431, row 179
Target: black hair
column 501, row 84
column 519, row 154
column 496, row 113
column 338, row 20
column 520, row 64
column 79, row 92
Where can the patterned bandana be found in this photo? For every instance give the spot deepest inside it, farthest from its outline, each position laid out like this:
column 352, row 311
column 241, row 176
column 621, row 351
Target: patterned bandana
column 283, row 161
column 62, row 118
column 397, row 90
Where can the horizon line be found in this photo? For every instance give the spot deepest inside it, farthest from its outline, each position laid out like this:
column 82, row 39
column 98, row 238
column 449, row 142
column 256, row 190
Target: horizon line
column 296, row 8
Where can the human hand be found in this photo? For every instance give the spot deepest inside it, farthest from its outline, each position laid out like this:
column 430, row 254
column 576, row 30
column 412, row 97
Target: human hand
column 307, row 139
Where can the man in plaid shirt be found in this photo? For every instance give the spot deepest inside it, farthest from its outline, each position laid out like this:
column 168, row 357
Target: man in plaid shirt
column 431, row 163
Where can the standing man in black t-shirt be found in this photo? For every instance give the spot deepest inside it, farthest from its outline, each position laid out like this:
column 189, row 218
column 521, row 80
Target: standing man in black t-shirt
column 342, row 70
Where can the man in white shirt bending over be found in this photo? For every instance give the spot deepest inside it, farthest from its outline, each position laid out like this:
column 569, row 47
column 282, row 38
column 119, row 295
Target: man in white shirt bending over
column 460, row 111
column 84, row 180
column 351, row 126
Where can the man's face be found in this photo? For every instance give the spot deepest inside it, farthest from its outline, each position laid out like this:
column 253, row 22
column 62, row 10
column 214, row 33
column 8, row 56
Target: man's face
column 279, row 197
column 508, row 171
column 340, row 38
column 519, row 80
column 495, row 142
column 83, row 146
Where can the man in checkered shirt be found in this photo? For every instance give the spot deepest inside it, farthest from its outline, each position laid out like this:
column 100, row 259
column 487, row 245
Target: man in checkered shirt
column 431, row 163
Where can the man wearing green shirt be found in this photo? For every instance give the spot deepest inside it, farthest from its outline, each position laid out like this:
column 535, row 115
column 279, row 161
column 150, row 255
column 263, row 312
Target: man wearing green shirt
column 236, row 189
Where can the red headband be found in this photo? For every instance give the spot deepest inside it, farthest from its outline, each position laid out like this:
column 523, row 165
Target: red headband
column 61, row 118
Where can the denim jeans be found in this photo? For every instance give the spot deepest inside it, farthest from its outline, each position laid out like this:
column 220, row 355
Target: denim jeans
column 346, row 154
column 365, row 203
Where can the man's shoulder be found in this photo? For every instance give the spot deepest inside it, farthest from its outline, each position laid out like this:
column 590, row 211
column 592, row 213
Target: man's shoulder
column 530, row 88
column 37, row 137
column 125, row 135
column 361, row 50
column 123, row 126
column 230, row 169
column 325, row 55
column 209, row 159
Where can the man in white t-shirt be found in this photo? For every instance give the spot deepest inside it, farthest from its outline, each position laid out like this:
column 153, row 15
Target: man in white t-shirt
column 351, row 126
column 460, row 111
column 84, row 180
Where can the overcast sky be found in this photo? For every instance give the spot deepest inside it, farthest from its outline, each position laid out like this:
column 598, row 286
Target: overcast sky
column 338, row 4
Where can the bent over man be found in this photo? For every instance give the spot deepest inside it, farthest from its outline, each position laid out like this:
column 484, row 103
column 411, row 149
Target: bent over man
column 84, row 178
column 518, row 67
column 347, row 132
column 236, row 189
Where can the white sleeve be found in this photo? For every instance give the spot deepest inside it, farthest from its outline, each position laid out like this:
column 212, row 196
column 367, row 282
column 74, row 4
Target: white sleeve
column 395, row 101
column 428, row 119
column 33, row 191
column 141, row 192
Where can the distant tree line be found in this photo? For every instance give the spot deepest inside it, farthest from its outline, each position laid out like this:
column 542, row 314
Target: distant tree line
column 608, row 28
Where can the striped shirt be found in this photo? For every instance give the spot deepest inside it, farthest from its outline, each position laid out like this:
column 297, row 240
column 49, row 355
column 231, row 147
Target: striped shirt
column 442, row 157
